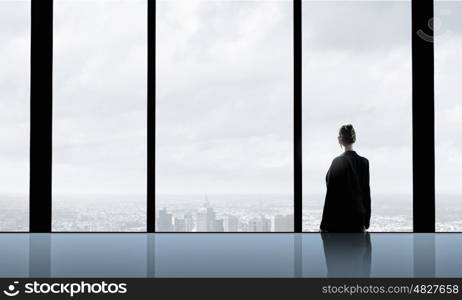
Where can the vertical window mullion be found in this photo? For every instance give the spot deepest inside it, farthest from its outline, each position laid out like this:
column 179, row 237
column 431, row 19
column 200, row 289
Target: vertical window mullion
column 423, row 129
column 151, row 200
column 298, row 215
column 41, row 103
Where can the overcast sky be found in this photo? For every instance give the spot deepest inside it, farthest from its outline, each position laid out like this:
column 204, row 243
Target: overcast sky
column 100, row 80
column 224, row 97
column 448, row 102
column 14, row 98
column 224, row 94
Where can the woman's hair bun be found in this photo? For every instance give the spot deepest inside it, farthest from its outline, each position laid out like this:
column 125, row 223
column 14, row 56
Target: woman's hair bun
column 347, row 134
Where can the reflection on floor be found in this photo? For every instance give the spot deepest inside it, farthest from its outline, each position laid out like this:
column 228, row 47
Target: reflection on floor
column 231, row 255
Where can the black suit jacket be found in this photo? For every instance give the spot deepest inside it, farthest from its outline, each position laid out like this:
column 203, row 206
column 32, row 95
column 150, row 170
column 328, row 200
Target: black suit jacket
column 347, row 207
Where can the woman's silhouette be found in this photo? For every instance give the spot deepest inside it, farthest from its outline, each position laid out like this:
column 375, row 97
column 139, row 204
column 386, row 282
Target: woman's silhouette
column 347, row 207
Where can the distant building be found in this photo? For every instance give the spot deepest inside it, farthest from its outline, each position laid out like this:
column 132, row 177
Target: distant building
column 188, row 222
column 244, row 226
column 201, row 220
column 219, row 225
column 261, row 224
column 206, row 219
column 265, row 224
column 284, row 223
column 253, row 225
column 231, row 223
column 180, row 225
column 164, row 221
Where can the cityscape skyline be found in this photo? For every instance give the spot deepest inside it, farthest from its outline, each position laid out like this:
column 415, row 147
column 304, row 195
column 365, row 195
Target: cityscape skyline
column 205, row 220
column 130, row 216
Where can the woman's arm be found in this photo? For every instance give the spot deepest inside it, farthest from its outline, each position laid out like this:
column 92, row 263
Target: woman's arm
column 332, row 190
column 367, row 197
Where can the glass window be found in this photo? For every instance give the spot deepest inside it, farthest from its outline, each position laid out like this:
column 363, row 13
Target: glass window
column 448, row 114
column 357, row 69
column 224, row 116
column 14, row 114
column 99, row 122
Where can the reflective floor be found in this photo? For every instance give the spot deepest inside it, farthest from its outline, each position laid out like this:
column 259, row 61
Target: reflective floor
column 231, row 255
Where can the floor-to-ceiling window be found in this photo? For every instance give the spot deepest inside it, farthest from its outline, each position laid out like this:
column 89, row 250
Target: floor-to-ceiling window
column 224, row 116
column 447, row 28
column 99, row 117
column 224, row 99
column 14, row 114
column 357, row 69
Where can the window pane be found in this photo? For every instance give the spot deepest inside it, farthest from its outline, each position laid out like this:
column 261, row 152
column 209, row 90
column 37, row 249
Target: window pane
column 224, row 140
column 99, row 133
column 357, row 69
column 14, row 111
column 448, row 115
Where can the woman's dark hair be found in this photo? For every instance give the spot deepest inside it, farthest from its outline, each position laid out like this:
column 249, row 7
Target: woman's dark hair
column 347, row 134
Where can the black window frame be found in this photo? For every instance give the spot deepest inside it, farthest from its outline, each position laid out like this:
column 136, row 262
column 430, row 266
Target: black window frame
column 41, row 116
column 41, row 100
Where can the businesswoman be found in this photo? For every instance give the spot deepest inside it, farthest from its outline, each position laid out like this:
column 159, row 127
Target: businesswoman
column 347, row 207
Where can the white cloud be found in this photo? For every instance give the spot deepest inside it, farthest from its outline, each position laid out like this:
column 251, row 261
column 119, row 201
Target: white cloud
column 224, row 98
column 14, row 98
column 100, row 97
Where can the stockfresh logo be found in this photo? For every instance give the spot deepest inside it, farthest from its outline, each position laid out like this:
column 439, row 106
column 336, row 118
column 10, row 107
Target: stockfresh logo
column 11, row 290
